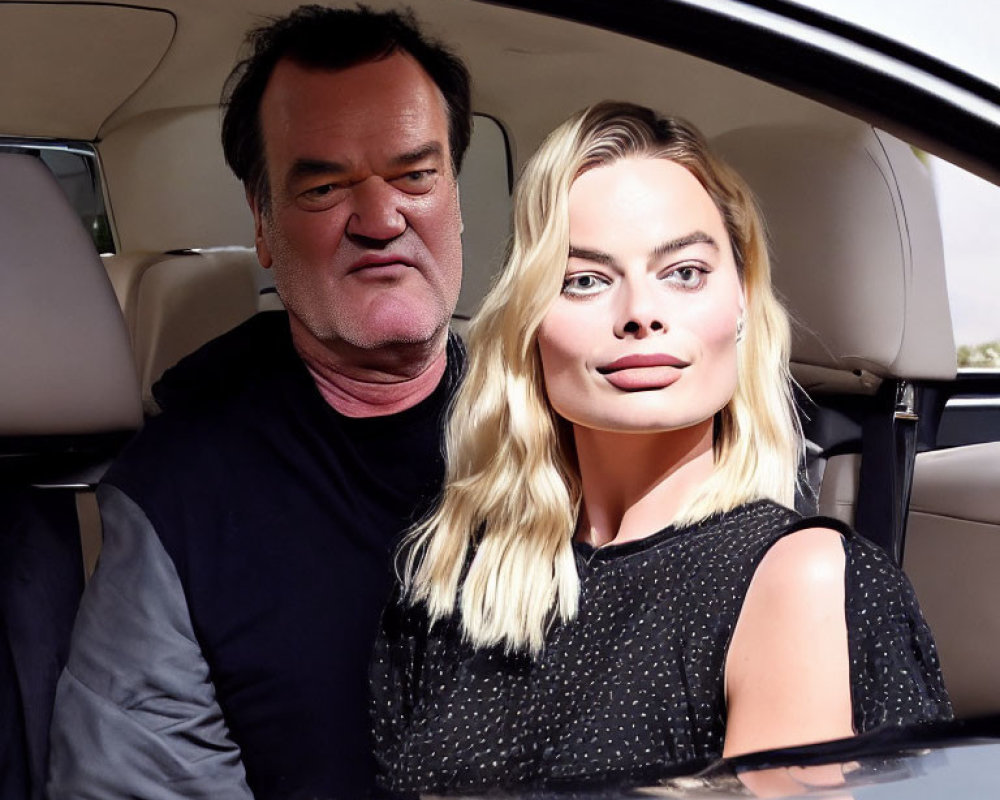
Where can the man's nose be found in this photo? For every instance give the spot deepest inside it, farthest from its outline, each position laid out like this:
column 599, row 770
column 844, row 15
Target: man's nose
column 639, row 315
column 376, row 217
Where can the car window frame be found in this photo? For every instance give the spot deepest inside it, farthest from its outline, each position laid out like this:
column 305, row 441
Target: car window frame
column 903, row 91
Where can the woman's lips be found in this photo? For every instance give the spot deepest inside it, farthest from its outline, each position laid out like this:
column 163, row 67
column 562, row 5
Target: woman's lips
column 643, row 372
column 643, row 360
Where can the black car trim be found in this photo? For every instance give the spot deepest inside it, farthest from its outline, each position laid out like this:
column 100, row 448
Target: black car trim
column 915, row 112
column 882, row 44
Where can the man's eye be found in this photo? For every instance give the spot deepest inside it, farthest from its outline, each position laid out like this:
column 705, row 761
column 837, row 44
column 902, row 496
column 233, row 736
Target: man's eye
column 687, row 276
column 584, row 284
column 418, row 181
column 321, row 197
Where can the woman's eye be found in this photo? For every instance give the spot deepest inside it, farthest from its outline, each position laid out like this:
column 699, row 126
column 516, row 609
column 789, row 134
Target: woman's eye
column 419, row 181
column 687, row 276
column 583, row 284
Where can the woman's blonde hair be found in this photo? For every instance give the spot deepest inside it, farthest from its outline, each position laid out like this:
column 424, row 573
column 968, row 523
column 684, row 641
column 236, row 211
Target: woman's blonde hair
column 498, row 547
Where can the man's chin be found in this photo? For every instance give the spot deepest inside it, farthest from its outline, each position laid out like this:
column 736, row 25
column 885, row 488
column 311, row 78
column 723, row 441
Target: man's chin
column 394, row 327
column 402, row 337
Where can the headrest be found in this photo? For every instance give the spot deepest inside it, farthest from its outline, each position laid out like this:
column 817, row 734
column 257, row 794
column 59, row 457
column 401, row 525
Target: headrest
column 185, row 300
column 856, row 252
column 65, row 365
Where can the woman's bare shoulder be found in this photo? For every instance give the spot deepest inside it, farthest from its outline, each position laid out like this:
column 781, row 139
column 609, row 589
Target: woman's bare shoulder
column 807, row 560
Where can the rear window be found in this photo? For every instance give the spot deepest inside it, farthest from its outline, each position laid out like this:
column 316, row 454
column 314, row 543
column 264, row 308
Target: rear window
column 76, row 168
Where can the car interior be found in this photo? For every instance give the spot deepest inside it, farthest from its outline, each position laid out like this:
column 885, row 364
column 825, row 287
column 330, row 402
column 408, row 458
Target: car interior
column 100, row 295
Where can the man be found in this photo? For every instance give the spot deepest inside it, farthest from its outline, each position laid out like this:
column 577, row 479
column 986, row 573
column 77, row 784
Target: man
column 222, row 645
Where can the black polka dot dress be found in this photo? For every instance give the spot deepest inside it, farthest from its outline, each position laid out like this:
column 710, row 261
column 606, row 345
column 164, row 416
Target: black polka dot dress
column 632, row 689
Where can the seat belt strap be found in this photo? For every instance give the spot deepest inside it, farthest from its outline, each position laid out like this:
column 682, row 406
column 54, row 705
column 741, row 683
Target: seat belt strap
column 889, row 445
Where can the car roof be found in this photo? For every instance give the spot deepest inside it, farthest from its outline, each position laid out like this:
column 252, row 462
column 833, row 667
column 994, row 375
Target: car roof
column 85, row 69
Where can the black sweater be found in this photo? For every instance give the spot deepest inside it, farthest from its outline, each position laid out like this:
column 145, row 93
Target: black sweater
column 280, row 516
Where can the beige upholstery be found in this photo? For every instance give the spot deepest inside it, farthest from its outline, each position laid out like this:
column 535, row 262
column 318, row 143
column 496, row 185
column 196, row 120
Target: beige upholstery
column 953, row 558
column 125, row 271
column 839, row 489
column 59, row 80
column 485, row 195
column 857, row 252
column 65, row 362
column 174, row 303
column 169, row 186
column 857, row 257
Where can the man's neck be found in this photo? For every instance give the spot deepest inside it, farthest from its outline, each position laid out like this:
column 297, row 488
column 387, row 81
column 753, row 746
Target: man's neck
column 377, row 384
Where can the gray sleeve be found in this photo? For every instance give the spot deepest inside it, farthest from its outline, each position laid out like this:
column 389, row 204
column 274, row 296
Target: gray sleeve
column 136, row 714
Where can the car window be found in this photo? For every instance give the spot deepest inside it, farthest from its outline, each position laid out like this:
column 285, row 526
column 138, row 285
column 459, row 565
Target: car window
column 969, row 209
column 966, row 42
column 76, row 169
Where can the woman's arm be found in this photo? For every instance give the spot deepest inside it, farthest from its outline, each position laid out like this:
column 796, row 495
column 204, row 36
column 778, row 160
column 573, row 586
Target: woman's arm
column 787, row 670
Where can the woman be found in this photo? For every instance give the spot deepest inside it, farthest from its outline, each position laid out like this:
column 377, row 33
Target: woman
column 613, row 586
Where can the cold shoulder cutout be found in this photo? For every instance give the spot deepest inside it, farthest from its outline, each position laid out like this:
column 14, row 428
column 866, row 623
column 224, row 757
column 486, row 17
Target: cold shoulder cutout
column 633, row 688
column 787, row 674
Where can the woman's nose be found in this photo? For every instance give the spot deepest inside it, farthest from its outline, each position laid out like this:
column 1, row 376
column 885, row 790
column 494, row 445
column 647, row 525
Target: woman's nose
column 636, row 328
column 639, row 317
column 376, row 217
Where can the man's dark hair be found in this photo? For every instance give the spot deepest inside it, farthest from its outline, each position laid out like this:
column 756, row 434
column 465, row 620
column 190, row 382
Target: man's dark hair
column 327, row 38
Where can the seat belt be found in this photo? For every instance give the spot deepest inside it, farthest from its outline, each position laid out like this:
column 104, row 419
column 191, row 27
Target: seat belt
column 888, row 449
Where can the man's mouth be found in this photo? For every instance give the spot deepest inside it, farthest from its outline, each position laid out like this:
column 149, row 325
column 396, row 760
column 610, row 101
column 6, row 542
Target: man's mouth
column 380, row 265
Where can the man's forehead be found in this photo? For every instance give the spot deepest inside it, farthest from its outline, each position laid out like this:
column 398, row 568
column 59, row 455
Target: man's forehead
column 387, row 104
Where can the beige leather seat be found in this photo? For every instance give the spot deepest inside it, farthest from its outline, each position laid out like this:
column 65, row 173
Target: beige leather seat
column 175, row 302
column 66, row 365
column 953, row 558
column 856, row 251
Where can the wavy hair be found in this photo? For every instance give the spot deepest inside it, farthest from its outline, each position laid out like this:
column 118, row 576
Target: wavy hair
column 498, row 546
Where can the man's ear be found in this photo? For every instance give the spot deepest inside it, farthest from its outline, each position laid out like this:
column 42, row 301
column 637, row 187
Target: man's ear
column 259, row 237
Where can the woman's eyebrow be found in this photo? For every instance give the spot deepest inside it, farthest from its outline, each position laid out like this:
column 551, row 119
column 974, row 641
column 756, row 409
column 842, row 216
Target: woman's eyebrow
column 672, row 246
column 591, row 255
column 696, row 237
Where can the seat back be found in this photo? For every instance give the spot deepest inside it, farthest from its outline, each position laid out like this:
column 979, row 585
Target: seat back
column 953, row 556
column 858, row 259
column 68, row 399
column 175, row 302
column 66, row 364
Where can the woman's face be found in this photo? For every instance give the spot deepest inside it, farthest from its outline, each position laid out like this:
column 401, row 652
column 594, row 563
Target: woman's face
column 642, row 337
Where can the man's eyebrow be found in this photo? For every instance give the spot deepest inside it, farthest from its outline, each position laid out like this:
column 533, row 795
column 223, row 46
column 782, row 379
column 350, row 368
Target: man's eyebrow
column 672, row 246
column 415, row 156
column 308, row 167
